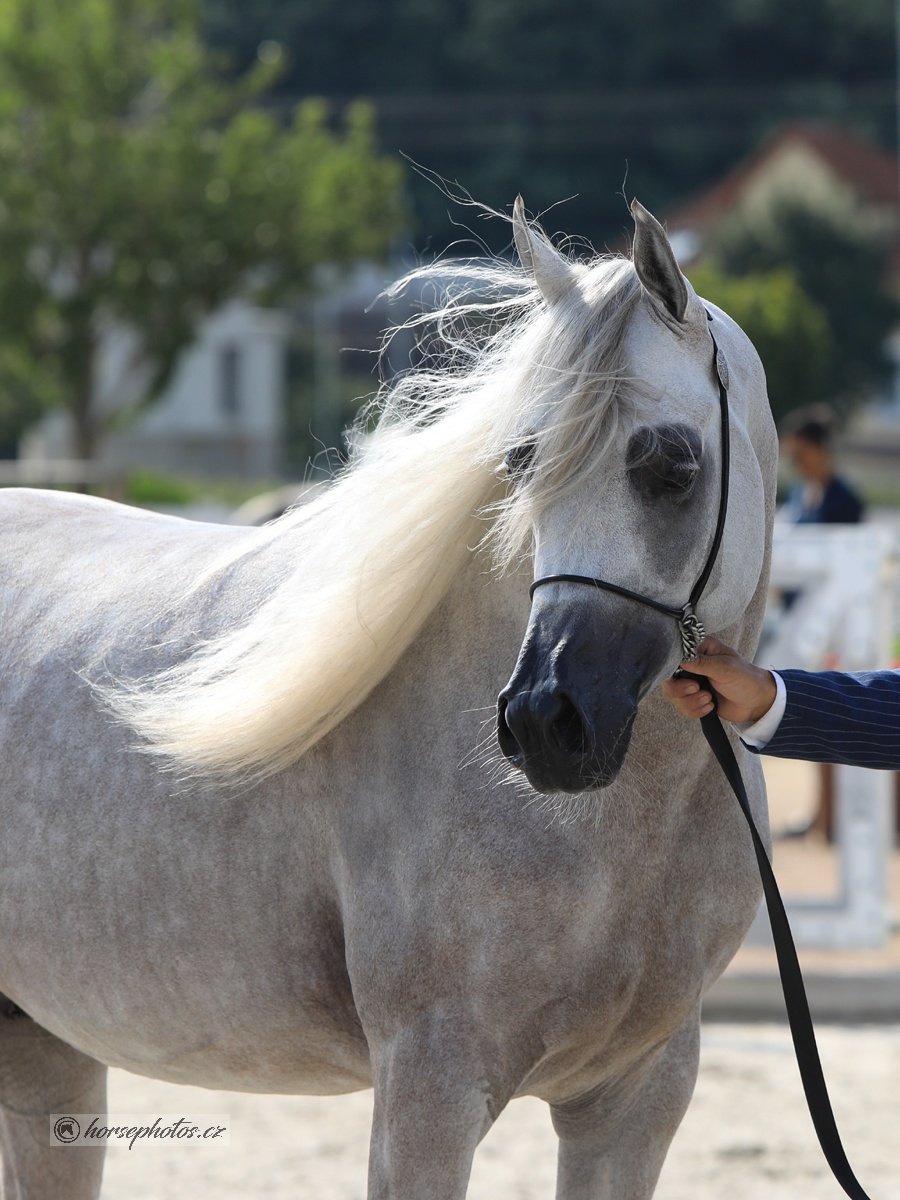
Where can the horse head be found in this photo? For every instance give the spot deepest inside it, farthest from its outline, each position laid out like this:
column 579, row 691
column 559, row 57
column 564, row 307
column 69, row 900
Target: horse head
column 639, row 514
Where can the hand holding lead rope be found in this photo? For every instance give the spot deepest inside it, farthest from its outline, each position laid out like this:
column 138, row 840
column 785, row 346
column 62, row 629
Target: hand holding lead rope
column 742, row 692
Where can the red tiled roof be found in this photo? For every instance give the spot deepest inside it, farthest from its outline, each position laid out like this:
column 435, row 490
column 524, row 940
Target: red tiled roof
column 871, row 172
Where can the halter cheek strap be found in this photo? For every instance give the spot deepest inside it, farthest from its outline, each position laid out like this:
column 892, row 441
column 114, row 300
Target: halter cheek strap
column 690, row 627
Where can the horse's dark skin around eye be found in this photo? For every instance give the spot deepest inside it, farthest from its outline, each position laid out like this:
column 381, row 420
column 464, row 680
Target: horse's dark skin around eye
column 664, row 460
column 661, row 460
column 519, row 459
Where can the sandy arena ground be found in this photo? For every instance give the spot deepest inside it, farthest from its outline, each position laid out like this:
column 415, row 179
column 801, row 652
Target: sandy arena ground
column 746, row 1135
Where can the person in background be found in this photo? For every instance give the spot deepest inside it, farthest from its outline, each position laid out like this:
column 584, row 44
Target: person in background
column 821, row 496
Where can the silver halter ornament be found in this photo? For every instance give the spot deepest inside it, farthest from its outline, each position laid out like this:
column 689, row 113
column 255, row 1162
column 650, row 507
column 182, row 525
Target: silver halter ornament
column 690, row 627
column 692, row 633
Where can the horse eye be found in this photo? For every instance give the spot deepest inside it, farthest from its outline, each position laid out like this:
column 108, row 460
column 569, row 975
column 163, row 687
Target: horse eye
column 664, row 461
column 519, row 459
column 679, row 477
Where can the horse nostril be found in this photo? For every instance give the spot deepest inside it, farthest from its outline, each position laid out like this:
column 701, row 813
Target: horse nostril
column 566, row 728
column 530, row 721
column 509, row 746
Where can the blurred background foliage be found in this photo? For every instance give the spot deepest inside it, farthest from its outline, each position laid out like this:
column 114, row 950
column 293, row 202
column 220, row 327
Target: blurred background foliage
column 598, row 102
column 158, row 157
column 790, row 331
column 840, row 265
column 560, row 98
column 141, row 185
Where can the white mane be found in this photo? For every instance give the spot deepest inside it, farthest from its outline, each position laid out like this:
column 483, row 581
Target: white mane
column 378, row 549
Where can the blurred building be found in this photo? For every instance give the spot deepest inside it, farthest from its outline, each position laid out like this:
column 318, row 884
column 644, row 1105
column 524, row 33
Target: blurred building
column 259, row 393
column 830, row 167
column 819, row 163
column 222, row 412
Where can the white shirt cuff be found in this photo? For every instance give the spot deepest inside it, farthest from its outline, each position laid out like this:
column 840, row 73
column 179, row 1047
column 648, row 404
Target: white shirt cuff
column 758, row 733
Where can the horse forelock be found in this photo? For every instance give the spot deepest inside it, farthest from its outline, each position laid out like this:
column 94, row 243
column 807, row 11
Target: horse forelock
column 377, row 551
column 552, row 376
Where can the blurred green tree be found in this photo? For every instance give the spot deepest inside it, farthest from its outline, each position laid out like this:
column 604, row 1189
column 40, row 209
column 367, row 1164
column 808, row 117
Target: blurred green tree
column 842, row 266
column 558, row 98
column 789, row 331
column 141, row 187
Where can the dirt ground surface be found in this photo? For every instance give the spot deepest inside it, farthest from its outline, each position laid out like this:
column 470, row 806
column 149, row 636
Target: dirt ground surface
column 746, row 1135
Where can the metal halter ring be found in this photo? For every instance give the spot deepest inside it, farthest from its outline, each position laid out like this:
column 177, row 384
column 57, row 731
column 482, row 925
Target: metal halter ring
column 692, row 633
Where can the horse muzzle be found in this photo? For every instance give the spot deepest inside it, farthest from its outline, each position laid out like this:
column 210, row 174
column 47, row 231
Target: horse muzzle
column 565, row 717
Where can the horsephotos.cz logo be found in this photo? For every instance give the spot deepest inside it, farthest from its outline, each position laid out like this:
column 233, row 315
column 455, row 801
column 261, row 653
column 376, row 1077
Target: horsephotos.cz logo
column 131, row 1129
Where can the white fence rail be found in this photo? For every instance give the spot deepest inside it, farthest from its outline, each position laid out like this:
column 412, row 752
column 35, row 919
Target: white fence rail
column 842, row 617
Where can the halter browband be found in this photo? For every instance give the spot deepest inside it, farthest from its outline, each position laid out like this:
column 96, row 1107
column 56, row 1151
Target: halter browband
column 690, row 627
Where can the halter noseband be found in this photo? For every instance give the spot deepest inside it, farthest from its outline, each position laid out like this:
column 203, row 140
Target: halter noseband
column 690, row 627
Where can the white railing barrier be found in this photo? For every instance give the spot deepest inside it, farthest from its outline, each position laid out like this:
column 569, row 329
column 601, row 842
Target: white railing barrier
column 847, row 577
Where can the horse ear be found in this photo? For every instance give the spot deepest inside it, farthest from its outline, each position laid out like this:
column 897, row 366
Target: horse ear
column 654, row 261
column 546, row 267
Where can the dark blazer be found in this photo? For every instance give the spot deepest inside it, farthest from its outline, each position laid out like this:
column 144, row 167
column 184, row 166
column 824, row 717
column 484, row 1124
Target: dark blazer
column 839, row 718
column 838, row 505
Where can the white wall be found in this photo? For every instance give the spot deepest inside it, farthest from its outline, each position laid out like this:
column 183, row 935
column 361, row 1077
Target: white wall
column 191, row 426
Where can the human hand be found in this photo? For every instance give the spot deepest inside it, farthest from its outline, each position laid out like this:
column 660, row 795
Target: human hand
column 744, row 692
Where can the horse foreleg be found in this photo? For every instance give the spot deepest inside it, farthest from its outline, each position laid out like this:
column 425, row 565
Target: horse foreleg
column 39, row 1076
column 620, row 1157
column 434, row 1101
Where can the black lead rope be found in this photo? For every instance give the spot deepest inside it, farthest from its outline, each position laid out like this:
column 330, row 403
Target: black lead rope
column 795, row 1001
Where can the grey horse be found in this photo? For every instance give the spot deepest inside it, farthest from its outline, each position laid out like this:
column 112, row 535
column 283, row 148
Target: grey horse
column 254, row 836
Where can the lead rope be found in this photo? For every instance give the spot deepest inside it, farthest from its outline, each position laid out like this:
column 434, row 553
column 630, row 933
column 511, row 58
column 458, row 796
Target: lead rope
column 795, row 1000
column 796, row 1004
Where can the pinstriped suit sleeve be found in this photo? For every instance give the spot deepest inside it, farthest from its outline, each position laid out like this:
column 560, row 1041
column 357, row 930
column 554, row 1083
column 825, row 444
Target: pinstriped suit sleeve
column 834, row 717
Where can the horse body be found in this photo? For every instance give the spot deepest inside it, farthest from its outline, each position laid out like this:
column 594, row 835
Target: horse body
column 378, row 913
column 175, row 877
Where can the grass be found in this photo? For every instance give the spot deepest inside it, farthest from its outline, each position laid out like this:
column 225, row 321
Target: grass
column 148, row 487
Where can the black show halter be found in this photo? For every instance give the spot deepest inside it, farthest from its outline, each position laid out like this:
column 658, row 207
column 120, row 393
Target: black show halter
column 690, row 626
column 692, row 634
